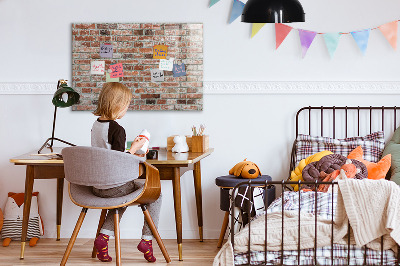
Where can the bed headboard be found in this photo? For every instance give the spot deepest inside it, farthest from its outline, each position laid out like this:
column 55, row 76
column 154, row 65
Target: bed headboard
column 344, row 121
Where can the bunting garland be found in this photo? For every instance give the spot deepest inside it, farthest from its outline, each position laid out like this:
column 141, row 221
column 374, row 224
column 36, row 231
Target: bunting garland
column 306, row 39
column 256, row 27
column 281, row 31
column 361, row 37
column 213, row 2
column 389, row 30
column 332, row 41
column 237, row 9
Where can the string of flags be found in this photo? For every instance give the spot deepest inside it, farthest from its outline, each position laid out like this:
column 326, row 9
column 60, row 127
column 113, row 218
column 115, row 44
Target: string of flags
column 361, row 37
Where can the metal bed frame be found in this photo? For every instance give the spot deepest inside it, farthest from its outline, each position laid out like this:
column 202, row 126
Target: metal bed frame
column 284, row 184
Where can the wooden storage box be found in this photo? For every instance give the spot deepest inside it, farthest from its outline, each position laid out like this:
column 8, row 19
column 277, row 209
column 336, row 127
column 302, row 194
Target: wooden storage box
column 200, row 143
column 171, row 143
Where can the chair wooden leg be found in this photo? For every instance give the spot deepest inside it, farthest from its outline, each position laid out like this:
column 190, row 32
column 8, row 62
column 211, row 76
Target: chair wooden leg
column 117, row 239
column 223, row 229
column 101, row 222
column 154, row 230
column 73, row 237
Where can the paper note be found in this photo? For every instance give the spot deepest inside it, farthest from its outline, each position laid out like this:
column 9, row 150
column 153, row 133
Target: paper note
column 97, row 68
column 157, row 75
column 179, row 70
column 117, row 70
column 160, row 51
column 166, row 64
column 106, row 50
column 109, row 79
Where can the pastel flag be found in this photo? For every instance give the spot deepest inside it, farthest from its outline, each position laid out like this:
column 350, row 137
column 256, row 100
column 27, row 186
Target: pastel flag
column 256, row 27
column 361, row 37
column 213, row 2
column 306, row 39
column 389, row 30
column 332, row 41
column 237, row 9
column 281, row 31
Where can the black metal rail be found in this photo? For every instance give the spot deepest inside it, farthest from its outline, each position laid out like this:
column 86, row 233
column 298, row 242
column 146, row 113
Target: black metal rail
column 265, row 185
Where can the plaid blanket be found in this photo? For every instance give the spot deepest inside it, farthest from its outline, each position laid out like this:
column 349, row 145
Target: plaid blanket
column 322, row 204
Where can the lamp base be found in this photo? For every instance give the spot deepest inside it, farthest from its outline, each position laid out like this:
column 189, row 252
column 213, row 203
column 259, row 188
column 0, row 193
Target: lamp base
column 50, row 146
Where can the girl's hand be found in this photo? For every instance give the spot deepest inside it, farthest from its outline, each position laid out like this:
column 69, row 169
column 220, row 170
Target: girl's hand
column 143, row 155
column 137, row 144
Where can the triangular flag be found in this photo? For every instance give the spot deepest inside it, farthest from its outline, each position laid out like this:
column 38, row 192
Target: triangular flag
column 213, row 2
column 390, row 32
column 361, row 37
column 237, row 9
column 255, row 28
column 306, row 39
column 281, row 31
column 332, row 41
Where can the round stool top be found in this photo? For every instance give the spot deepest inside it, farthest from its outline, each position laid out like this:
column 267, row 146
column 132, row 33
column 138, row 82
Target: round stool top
column 230, row 181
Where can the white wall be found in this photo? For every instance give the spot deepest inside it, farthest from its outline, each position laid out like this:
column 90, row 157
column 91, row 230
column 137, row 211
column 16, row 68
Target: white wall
column 36, row 47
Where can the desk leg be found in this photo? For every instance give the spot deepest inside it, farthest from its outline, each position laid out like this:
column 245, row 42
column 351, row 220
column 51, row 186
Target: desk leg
column 176, row 182
column 199, row 204
column 27, row 206
column 60, row 190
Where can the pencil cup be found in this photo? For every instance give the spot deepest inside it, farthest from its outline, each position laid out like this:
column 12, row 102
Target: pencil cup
column 200, row 143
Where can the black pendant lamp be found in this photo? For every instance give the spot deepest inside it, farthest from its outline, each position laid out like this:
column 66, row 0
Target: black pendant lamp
column 273, row 11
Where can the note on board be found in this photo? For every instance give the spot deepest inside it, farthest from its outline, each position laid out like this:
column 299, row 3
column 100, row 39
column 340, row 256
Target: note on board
column 109, row 79
column 97, row 67
column 106, row 50
column 157, row 75
column 117, row 70
column 166, row 64
column 160, row 51
column 179, row 70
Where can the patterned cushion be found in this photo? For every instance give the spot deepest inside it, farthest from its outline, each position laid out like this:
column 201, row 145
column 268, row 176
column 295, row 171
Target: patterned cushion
column 372, row 144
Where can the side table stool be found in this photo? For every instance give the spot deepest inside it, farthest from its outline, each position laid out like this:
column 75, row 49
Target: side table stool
column 226, row 183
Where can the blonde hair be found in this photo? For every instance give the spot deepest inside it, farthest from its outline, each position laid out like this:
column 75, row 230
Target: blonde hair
column 113, row 97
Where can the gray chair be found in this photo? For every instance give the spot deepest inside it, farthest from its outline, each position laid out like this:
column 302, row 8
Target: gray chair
column 85, row 167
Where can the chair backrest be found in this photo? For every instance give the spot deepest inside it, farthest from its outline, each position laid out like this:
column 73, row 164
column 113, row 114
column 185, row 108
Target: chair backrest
column 92, row 166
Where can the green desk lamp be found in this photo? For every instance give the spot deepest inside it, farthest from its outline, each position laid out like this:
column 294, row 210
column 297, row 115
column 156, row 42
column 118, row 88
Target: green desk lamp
column 64, row 97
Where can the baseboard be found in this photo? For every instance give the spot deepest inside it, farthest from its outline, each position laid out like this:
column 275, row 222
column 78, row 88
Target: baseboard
column 245, row 87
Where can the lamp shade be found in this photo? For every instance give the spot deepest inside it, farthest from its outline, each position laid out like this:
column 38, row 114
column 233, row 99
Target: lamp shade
column 273, row 11
column 65, row 96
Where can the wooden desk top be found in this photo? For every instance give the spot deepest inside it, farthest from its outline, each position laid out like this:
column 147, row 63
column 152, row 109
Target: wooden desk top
column 164, row 157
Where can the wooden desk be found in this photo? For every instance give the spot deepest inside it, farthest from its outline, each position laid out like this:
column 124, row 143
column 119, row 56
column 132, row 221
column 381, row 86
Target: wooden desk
column 40, row 167
column 169, row 165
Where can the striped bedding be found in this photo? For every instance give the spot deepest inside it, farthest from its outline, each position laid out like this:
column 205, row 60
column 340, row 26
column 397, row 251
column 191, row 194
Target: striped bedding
column 306, row 202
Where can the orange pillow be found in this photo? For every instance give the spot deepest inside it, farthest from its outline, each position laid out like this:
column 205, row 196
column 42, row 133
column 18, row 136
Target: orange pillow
column 375, row 170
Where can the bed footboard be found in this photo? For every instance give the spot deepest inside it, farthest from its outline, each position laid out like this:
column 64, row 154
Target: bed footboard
column 309, row 256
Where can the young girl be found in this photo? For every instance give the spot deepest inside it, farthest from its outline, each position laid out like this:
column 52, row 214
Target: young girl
column 113, row 103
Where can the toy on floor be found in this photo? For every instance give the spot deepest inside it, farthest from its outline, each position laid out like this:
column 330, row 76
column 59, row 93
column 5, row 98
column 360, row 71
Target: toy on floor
column 13, row 215
column 245, row 169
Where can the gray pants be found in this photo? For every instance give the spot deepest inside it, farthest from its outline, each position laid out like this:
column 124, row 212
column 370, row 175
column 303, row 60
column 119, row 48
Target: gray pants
column 154, row 208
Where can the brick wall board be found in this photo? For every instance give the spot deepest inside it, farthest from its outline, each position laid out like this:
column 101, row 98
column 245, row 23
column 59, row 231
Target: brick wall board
column 133, row 47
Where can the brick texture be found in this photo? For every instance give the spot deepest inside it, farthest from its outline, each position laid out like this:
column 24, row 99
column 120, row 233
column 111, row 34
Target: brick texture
column 133, row 47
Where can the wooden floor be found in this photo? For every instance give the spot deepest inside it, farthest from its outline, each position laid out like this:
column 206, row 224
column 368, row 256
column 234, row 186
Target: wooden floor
column 50, row 252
